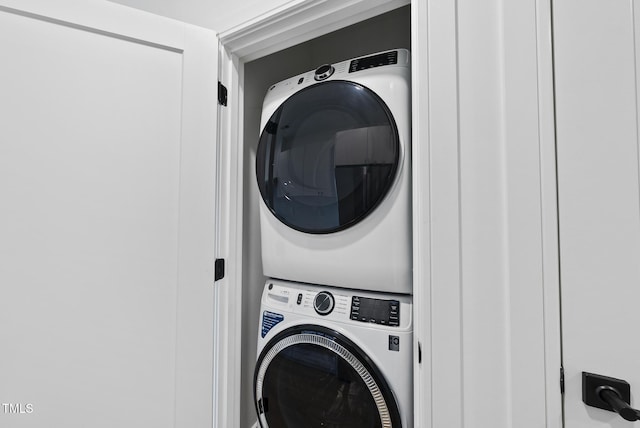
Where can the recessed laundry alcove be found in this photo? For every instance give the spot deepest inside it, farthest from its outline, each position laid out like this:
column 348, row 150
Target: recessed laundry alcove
column 130, row 253
column 386, row 31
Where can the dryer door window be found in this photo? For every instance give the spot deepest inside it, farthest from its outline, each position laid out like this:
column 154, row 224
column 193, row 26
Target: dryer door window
column 327, row 157
column 309, row 376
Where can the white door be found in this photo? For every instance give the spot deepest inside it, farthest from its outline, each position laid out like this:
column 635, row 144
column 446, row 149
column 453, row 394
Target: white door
column 107, row 191
column 596, row 69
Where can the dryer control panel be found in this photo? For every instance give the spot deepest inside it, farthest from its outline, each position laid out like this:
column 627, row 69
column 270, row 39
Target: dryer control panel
column 379, row 60
column 378, row 311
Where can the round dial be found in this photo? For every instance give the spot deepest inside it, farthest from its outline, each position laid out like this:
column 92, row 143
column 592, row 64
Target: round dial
column 323, row 72
column 324, row 303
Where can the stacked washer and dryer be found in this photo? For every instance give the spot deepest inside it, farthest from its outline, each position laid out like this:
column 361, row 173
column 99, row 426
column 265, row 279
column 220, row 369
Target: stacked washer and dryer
column 333, row 169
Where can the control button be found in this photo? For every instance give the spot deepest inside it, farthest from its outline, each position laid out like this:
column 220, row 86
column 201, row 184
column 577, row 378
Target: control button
column 299, row 298
column 324, row 303
column 300, row 80
column 323, row 72
column 394, row 343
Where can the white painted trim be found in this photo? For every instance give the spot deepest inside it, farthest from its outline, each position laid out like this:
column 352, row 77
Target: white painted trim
column 528, row 113
column 534, row 282
column 549, row 212
column 298, row 21
column 421, row 214
column 228, row 332
column 444, row 328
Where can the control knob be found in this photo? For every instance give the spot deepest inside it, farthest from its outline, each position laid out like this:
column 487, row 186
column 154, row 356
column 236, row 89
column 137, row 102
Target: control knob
column 324, row 303
column 323, row 72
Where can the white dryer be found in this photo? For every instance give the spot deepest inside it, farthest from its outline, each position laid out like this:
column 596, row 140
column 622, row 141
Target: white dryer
column 333, row 168
column 333, row 358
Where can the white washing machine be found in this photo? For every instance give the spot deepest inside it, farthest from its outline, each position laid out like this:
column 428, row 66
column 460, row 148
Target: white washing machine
column 333, row 358
column 333, row 167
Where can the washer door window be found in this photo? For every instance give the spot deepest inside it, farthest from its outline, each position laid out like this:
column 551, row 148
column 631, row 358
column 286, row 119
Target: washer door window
column 327, row 157
column 312, row 377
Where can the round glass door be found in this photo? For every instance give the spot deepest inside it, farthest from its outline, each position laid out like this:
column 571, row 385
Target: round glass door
column 312, row 377
column 327, row 157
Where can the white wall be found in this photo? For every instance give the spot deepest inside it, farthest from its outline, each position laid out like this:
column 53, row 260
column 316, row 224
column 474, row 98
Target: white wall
column 218, row 15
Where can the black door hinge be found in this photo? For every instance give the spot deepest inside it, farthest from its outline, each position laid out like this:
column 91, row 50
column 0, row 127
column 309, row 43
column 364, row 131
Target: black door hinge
column 562, row 380
column 219, row 269
column 222, row 94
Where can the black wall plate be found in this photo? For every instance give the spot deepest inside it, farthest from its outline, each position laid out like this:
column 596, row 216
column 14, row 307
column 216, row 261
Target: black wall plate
column 591, row 382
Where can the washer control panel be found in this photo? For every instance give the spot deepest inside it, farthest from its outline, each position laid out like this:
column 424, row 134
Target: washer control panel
column 324, row 303
column 378, row 311
column 334, row 304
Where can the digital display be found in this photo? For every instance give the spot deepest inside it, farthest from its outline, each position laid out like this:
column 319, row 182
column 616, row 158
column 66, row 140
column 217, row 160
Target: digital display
column 378, row 311
column 379, row 60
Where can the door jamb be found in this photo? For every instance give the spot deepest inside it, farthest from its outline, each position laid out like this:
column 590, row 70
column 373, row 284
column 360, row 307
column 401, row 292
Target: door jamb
column 549, row 215
column 278, row 29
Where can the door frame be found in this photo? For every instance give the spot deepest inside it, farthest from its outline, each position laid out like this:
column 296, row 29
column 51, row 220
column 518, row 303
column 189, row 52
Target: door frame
column 293, row 23
column 527, row 245
column 552, row 311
